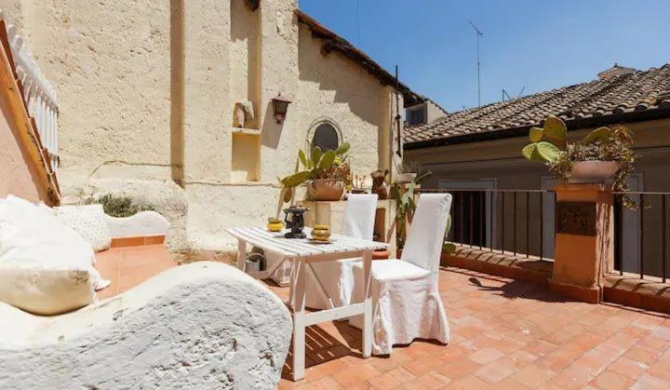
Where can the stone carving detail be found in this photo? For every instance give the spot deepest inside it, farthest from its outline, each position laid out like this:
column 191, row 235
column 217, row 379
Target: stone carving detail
column 578, row 218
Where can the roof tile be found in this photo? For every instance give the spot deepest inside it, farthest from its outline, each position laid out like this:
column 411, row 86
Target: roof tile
column 626, row 93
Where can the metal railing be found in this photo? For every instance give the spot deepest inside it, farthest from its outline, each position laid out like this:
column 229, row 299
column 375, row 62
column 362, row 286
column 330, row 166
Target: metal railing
column 510, row 222
column 640, row 235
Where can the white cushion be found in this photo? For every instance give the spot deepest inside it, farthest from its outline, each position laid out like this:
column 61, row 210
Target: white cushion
column 89, row 221
column 44, row 291
column 393, row 269
column 45, row 267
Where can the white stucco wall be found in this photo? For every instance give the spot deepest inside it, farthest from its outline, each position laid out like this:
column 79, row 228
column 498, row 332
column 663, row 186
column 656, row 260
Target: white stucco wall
column 121, row 69
column 110, row 66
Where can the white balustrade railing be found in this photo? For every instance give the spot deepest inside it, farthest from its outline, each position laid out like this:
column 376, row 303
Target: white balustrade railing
column 39, row 94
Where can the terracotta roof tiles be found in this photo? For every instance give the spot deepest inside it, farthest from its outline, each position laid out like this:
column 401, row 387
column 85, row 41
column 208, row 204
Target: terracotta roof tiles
column 620, row 95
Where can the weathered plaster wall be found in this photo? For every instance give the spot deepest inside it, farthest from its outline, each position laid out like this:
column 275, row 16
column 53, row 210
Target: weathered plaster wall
column 147, row 95
column 334, row 87
column 208, row 105
column 110, row 66
column 17, row 173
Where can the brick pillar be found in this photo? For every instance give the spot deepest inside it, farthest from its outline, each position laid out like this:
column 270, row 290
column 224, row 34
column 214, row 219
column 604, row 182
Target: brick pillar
column 584, row 241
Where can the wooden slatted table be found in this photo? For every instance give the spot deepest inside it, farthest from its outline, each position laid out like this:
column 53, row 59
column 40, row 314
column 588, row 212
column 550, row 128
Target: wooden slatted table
column 303, row 254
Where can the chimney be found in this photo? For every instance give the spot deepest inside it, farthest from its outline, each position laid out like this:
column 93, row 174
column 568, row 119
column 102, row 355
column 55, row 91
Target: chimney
column 616, row 70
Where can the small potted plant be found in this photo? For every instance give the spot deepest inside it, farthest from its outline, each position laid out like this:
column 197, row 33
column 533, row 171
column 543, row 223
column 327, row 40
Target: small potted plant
column 357, row 185
column 326, row 174
column 407, row 172
column 405, row 206
column 604, row 155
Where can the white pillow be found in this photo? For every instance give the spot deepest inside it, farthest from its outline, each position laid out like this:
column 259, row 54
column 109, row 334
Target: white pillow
column 40, row 257
column 89, row 221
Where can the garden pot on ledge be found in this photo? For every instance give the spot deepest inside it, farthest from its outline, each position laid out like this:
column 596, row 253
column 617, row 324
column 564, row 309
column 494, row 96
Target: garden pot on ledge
column 325, row 189
column 405, row 177
column 591, row 172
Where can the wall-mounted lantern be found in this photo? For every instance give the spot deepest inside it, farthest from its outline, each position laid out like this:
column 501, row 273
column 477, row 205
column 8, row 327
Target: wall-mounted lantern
column 280, row 107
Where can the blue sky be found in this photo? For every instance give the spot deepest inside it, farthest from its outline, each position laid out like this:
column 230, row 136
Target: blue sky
column 538, row 44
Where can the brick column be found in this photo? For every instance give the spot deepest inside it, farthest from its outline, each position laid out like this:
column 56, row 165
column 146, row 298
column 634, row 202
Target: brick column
column 584, row 241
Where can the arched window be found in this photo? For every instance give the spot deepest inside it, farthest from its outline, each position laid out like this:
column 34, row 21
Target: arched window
column 326, row 137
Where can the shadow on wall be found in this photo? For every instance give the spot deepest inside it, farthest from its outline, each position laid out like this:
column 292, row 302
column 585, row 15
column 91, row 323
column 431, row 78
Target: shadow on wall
column 244, row 30
column 177, row 91
column 272, row 130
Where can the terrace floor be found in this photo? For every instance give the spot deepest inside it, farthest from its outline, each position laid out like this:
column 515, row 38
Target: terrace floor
column 504, row 335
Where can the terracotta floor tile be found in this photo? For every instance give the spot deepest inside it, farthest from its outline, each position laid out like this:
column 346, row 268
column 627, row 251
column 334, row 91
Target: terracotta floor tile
column 355, row 375
column 402, row 375
column 572, row 377
column 495, row 372
column 648, row 382
column 642, row 355
column 612, row 381
column 628, row 368
column 384, row 381
column 486, row 355
column 533, row 375
column 458, row 369
column 525, row 338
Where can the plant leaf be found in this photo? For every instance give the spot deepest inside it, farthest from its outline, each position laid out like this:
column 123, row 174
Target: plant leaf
column 316, row 155
column 288, row 194
column 449, row 247
column 296, row 179
column 600, row 134
column 555, row 131
column 342, row 149
column 529, row 152
column 423, row 177
column 327, row 160
column 303, row 159
column 548, row 152
column 536, row 134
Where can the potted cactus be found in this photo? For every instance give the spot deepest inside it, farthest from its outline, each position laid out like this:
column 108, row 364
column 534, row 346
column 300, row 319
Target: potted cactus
column 602, row 156
column 326, row 173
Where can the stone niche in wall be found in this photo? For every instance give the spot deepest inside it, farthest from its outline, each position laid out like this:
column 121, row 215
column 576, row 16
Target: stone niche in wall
column 246, row 158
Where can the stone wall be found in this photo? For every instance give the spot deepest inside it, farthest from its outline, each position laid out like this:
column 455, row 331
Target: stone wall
column 147, row 91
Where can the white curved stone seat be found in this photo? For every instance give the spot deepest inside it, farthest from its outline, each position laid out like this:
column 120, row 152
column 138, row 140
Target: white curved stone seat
column 204, row 325
column 142, row 224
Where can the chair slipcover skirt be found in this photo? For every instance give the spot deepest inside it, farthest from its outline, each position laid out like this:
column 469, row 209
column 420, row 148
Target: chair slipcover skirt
column 404, row 308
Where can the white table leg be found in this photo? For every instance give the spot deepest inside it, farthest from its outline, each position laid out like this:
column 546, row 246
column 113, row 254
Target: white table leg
column 291, row 283
column 241, row 253
column 367, row 313
column 299, row 320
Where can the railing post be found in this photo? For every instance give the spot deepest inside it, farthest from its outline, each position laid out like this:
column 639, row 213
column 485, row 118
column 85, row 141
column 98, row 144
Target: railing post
column 584, row 241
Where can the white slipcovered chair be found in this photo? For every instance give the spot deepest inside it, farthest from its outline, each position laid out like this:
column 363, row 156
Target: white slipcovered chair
column 405, row 295
column 337, row 277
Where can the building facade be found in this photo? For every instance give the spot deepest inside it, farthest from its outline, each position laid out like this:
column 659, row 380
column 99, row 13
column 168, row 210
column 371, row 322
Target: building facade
column 172, row 102
column 480, row 149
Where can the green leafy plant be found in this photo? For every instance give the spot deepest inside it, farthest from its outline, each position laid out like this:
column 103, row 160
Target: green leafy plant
column 405, row 206
column 549, row 145
column 331, row 164
column 120, row 206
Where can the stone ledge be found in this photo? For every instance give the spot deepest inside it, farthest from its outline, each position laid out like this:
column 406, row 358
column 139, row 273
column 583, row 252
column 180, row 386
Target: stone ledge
column 508, row 265
column 592, row 295
column 633, row 291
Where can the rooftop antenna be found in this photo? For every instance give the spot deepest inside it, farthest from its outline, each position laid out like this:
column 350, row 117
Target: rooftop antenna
column 479, row 66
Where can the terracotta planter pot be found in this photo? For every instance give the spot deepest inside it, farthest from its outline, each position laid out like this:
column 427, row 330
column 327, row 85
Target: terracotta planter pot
column 584, row 172
column 405, row 177
column 381, row 254
column 325, row 189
